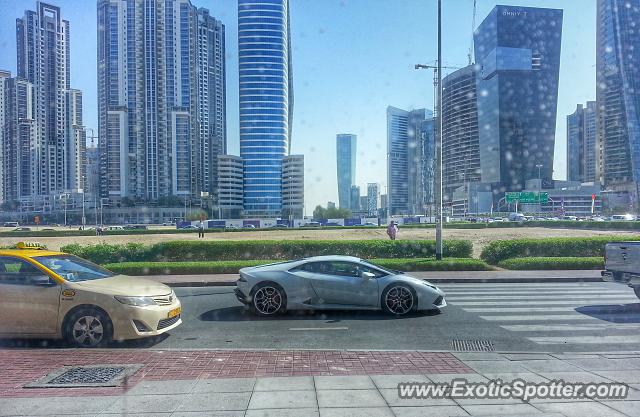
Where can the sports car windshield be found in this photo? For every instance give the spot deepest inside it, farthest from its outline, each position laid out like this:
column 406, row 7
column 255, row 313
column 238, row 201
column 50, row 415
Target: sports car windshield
column 385, row 270
column 74, row 269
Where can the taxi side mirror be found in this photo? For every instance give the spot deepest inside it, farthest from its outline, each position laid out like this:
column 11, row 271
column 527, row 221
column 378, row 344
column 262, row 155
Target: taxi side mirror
column 41, row 281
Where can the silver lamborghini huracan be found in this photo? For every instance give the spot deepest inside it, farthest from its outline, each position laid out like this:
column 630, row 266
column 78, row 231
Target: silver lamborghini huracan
column 334, row 282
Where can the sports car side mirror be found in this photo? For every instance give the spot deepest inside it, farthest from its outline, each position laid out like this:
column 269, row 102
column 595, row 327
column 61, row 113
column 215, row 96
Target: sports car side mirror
column 367, row 275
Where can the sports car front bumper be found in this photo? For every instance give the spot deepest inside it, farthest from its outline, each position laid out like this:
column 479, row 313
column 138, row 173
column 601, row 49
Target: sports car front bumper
column 240, row 296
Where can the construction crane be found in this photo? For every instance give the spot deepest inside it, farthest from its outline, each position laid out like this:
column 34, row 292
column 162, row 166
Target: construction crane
column 435, row 80
column 473, row 29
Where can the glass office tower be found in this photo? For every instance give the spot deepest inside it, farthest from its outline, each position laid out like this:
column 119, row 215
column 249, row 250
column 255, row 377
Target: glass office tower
column 266, row 101
column 410, row 152
column 346, row 166
column 518, row 51
column 618, row 94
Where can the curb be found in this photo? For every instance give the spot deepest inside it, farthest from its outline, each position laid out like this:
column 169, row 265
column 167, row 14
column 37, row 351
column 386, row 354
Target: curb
column 497, row 280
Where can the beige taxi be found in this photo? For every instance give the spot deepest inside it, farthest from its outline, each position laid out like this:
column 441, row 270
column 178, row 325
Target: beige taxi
column 46, row 294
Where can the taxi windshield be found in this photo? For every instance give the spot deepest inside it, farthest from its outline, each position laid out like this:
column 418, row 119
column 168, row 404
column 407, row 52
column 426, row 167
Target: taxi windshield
column 72, row 268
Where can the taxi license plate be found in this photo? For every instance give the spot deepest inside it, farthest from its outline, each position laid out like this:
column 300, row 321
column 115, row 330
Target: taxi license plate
column 173, row 313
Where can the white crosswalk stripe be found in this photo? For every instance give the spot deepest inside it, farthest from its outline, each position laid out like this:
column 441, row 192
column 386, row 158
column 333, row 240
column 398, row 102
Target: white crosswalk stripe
column 590, row 313
column 572, row 302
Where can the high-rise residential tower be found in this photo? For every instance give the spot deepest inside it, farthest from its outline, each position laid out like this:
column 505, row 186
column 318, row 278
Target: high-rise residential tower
column 55, row 140
column 460, row 142
column 618, row 94
column 266, row 101
column 19, row 135
column 582, row 149
column 410, row 159
column 518, row 53
column 346, row 146
column 161, row 91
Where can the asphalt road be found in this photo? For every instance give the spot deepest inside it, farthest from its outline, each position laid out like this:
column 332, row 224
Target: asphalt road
column 514, row 317
column 522, row 317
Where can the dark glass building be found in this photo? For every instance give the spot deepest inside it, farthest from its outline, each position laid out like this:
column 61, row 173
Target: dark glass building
column 618, row 94
column 346, row 167
column 518, row 53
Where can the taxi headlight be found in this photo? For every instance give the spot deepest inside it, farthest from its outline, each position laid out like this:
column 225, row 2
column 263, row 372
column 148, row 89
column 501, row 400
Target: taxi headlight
column 136, row 301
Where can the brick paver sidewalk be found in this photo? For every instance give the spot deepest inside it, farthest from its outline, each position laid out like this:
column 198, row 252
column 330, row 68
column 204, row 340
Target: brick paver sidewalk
column 19, row 367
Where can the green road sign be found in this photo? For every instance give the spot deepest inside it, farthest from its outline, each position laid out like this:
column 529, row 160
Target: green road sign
column 529, row 197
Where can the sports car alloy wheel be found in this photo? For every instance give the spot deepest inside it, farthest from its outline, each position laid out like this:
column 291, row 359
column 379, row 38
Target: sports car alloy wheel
column 88, row 331
column 399, row 300
column 267, row 300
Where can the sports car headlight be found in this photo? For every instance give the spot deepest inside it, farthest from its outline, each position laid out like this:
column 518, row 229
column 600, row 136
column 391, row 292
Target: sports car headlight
column 136, row 301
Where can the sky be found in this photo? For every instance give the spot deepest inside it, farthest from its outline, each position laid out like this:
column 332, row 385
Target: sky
column 351, row 59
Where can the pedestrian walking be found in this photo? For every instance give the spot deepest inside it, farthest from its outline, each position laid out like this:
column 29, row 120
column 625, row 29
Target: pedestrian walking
column 392, row 230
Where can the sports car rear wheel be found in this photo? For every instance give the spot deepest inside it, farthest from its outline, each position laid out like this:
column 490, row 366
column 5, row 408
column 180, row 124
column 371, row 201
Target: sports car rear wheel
column 268, row 299
column 398, row 299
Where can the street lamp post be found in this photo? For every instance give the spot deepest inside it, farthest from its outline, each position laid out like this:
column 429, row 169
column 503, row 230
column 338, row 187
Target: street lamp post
column 66, row 198
column 438, row 144
column 84, row 219
column 438, row 137
column 539, row 166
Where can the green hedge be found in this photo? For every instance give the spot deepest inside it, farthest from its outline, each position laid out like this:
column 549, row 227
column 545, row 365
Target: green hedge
column 265, row 249
column 500, row 250
column 594, row 262
column 232, row 267
column 102, row 253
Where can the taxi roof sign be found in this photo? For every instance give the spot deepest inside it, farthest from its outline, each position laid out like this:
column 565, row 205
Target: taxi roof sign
column 29, row 245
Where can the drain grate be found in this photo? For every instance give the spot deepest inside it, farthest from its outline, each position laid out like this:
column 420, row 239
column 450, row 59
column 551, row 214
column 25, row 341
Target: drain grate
column 86, row 376
column 472, row 345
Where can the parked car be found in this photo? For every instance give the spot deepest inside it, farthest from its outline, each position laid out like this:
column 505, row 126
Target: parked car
column 11, row 224
column 623, row 218
column 135, row 227
column 334, row 282
column 58, row 295
column 312, row 224
column 249, row 226
column 22, row 229
column 622, row 264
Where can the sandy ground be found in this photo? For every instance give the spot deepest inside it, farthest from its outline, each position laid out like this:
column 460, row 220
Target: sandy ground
column 479, row 237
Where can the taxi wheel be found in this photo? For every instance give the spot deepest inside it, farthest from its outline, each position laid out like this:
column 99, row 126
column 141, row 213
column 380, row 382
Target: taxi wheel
column 88, row 328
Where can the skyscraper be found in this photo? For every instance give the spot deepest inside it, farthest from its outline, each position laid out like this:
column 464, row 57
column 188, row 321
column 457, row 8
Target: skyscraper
column 293, row 186
column 618, row 94
column 518, row 53
column 372, row 198
column 346, row 146
column 212, row 97
column 582, row 149
column 266, row 101
column 460, row 143
column 55, row 141
column 161, row 90
column 4, row 79
column 409, row 159
column 354, row 195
